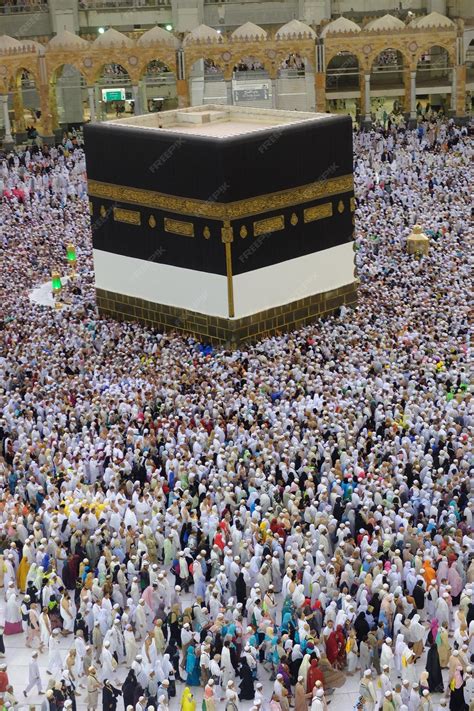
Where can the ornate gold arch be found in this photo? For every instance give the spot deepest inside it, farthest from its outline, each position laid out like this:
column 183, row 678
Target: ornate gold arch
column 365, row 46
column 168, row 58
column 55, row 62
column 294, row 45
column 219, row 52
column 349, row 49
column 270, row 52
column 399, row 47
column 115, row 56
column 449, row 47
column 22, row 62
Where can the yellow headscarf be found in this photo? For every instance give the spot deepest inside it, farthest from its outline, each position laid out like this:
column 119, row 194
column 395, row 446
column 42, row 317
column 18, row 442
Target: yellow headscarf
column 187, row 701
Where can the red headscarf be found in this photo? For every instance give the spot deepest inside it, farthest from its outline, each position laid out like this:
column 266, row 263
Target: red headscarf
column 314, row 674
column 332, row 647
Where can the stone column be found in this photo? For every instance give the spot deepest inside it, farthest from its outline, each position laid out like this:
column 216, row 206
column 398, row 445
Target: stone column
column 91, row 95
column 187, row 14
column 412, row 96
column 142, row 97
column 406, row 92
column 19, row 111
column 454, row 78
column 436, row 6
column 8, row 139
column 53, row 105
column 64, row 15
column 313, row 11
column 274, row 93
column 367, row 117
column 361, row 104
column 182, row 89
column 136, row 99
column 47, row 134
column 320, row 91
column 460, row 97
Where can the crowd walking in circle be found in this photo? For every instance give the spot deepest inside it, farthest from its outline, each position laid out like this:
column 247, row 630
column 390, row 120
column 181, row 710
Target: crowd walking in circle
column 288, row 525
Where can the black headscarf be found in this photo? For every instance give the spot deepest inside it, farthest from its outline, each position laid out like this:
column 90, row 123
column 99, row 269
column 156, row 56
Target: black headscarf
column 419, row 595
column 361, row 626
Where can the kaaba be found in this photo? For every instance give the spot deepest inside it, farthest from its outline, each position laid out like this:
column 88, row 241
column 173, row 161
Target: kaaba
column 224, row 222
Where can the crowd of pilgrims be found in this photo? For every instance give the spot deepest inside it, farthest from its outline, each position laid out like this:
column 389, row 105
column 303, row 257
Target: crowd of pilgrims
column 248, row 529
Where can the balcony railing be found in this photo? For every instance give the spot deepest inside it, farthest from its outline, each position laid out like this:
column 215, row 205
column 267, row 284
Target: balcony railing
column 342, row 79
column 122, row 4
column 114, row 80
column 159, row 79
column 10, row 7
column 251, row 74
column 387, row 68
column 213, row 76
column 228, row 2
column 291, row 73
column 434, row 73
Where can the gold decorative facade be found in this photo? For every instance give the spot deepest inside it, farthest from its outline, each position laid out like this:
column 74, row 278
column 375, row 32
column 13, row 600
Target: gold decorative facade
column 222, row 211
column 44, row 62
column 130, row 217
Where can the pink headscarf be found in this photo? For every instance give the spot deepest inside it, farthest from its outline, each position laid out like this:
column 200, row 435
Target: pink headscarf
column 455, row 581
column 458, row 680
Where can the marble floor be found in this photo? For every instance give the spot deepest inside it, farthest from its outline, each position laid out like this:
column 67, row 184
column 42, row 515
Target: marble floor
column 17, row 658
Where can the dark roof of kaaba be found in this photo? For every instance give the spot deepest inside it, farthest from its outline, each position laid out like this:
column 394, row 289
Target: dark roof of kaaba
column 197, row 166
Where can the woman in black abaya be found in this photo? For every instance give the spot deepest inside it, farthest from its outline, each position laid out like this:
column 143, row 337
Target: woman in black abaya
column 109, row 696
column 128, row 689
column 433, row 667
column 456, row 698
column 241, row 590
column 247, row 692
column 419, row 595
column 361, row 627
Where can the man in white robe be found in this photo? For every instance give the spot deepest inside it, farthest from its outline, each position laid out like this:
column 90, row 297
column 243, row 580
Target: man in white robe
column 108, row 663
column 34, row 677
column 55, row 661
